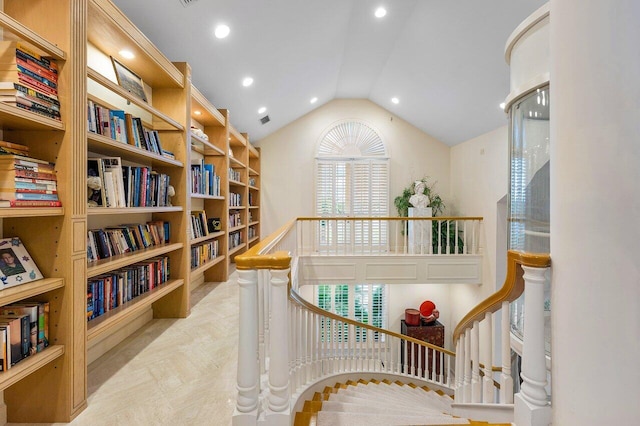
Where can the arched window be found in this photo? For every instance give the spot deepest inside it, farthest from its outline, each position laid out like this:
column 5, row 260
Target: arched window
column 352, row 179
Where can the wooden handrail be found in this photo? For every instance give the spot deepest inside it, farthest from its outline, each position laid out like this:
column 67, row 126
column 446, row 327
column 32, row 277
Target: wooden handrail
column 257, row 258
column 295, row 297
column 511, row 289
column 391, row 219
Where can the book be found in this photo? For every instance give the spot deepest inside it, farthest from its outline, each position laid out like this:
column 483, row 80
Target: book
column 18, row 328
column 3, row 349
column 94, row 169
column 13, row 89
column 16, row 265
column 30, row 203
column 113, row 181
column 30, row 310
column 13, row 145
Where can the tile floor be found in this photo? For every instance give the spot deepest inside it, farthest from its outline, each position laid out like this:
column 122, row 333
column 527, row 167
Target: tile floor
column 171, row 372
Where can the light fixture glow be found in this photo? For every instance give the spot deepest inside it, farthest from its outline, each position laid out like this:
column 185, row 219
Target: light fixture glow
column 127, row 54
column 197, row 112
column 314, row 100
column 262, row 110
column 395, row 100
column 502, row 105
column 222, row 31
column 247, row 81
column 380, row 12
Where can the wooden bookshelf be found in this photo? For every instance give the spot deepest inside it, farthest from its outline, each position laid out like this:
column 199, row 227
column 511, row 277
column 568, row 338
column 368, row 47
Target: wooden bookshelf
column 82, row 36
column 166, row 87
column 210, row 144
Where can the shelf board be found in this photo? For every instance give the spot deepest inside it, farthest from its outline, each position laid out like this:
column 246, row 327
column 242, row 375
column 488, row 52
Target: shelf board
column 208, row 264
column 104, row 145
column 29, row 365
column 104, row 211
column 113, row 320
column 113, row 87
column 109, row 29
column 25, row 291
column 207, row 197
column 253, row 172
column 236, row 183
column 121, row 260
column 253, row 152
column 236, row 137
column 209, row 114
column 11, row 25
column 31, row 211
column 211, row 236
column 254, row 223
column 236, row 249
column 237, row 207
column 255, row 188
column 236, row 228
column 252, row 240
column 254, row 207
column 204, row 147
column 14, row 118
column 236, row 163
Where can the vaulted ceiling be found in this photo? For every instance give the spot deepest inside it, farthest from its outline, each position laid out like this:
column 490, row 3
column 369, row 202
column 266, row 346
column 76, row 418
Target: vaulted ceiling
column 442, row 59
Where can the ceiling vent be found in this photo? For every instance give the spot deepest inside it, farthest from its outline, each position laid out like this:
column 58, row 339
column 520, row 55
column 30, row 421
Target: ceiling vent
column 186, row 3
column 265, row 119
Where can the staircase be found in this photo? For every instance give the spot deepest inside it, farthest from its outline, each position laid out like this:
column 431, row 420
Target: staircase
column 374, row 402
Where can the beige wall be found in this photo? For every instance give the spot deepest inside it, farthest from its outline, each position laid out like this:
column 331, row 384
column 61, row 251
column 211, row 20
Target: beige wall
column 287, row 158
column 479, row 179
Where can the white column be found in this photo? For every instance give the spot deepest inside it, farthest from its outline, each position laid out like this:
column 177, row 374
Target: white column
column 476, row 383
column 486, row 351
column 594, row 150
column 248, row 368
column 279, row 399
column 262, row 319
column 531, row 405
column 506, row 381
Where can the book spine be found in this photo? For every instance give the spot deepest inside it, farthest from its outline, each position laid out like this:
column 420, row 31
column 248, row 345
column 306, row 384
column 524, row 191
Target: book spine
column 35, row 203
column 38, row 85
column 36, row 77
column 36, row 106
column 37, row 111
column 27, row 52
column 35, row 93
column 36, row 69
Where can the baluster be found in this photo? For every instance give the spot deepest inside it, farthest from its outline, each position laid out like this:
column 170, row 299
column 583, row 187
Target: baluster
column 278, row 400
column 487, row 359
column 506, row 381
column 439, row 237
column 476, row 383
column 474, row 242
column 421, row 360
column 263, row 318
column 457, row 251
column 464, row 233
column 459, row 372
column 248, row 367
column 467, row 365
column 448, row 237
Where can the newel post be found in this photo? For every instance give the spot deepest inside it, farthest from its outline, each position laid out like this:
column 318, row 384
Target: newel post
column 279, row 398
column 248, row 369
column 531, row 405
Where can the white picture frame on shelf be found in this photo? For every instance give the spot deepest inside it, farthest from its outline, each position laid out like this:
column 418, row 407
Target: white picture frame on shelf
column 16, row 265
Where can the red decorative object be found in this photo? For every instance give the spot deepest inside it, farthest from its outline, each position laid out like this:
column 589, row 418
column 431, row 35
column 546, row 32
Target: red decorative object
column 412, row 316
column 426, row 308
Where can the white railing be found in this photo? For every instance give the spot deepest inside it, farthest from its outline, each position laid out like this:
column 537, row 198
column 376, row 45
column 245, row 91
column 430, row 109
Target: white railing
column 473, row 338
column 286, row 344
column 337, row 236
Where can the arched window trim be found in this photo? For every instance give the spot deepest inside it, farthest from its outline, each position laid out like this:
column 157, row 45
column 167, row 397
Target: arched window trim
column 369, row 138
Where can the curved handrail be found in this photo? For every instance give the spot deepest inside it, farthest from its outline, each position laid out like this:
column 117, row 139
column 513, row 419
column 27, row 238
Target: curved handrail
column 397, row 218
column 295, row 297
column 511, row 289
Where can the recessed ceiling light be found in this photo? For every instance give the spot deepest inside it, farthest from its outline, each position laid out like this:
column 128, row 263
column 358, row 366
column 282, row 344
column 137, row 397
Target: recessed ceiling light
column 502, row 105
column 197, row 112
column 126, row 54
column 314, row 100
column 247, row 81
column 380, row 12
column 262, row 110
column 222, row 31
column 395, row 100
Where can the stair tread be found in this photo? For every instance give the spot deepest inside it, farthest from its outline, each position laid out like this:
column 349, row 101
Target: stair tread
column 328, row 418
column 352, row 407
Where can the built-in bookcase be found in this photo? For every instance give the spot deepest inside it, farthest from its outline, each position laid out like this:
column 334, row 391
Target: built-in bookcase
column 47, row 233
column 83, row 36
column 166, row 90
column 237, row 200
column 209, row 146
column 253, row 191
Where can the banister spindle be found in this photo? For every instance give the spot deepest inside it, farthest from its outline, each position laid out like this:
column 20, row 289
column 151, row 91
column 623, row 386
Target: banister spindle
column 248, row 367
